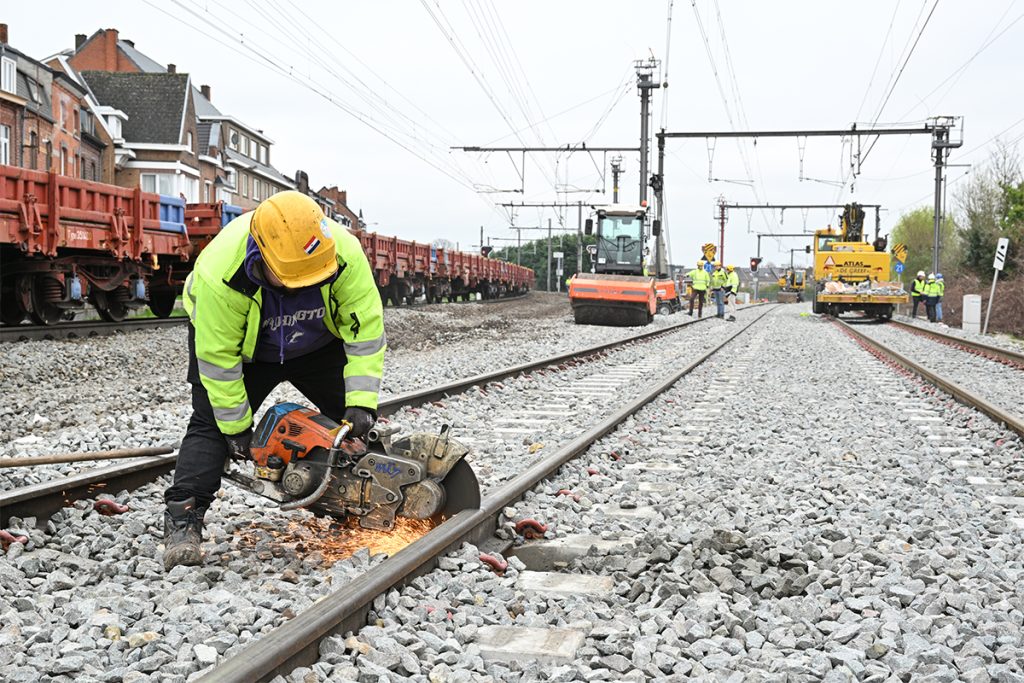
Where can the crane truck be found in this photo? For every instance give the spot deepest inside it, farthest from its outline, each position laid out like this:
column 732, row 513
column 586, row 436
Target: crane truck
column 618, row 292
column 852, row 274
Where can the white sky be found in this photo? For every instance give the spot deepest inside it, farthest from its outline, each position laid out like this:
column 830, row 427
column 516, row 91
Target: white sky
column 796, row 64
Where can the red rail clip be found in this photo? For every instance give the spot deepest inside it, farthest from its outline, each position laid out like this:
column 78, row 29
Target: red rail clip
column 498, row 565
column 7, row 538
column 108, row 507
column 593, row 470
column 530, row 528
column 615, row 455
column 567, row 492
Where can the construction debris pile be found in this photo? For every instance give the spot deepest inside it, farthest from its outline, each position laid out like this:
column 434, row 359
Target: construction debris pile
column 870, row 287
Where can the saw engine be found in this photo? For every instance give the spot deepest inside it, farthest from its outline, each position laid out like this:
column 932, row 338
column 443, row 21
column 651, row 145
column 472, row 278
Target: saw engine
column 300, row 458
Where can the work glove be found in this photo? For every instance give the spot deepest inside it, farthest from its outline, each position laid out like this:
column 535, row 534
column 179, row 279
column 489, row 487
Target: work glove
column 360, row 419
column 238, row 445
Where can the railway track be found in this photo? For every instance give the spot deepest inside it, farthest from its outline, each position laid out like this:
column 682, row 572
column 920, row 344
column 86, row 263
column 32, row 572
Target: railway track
column 297, row 642
column 991, row 384
column 42, row 499
column 732, row 522
column 980, row 348
column 84, row 329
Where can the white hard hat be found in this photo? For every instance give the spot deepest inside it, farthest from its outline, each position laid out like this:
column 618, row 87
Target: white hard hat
column 920, row 273
column 931, row 276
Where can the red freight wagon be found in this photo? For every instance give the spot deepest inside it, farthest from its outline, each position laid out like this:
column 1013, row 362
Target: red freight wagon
column 66, row 241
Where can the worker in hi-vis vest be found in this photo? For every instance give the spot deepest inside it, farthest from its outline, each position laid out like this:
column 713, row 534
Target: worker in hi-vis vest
column 281, row 294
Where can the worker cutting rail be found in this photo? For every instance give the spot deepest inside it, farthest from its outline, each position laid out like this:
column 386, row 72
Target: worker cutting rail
column 284, row 294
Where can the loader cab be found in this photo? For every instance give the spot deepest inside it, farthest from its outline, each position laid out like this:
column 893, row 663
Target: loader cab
column 620, row 240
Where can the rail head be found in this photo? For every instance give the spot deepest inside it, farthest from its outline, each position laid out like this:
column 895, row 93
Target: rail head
column 1014, row 357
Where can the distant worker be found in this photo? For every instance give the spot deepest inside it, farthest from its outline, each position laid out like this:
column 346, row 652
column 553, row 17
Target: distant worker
column 931, row 296
column 917, row 292
column 699, row 281
column 942, row 292
column 732, row 288
column 282, row 294
column 718, row 279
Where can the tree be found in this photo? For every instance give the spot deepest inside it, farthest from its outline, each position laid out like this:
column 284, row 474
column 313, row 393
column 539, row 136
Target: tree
column 992, row 206
column 917, row 230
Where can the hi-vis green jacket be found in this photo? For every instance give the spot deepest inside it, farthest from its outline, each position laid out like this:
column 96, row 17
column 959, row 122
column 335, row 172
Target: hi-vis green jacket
column 224, row 306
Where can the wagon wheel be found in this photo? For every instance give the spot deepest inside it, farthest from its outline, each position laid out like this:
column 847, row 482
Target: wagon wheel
column 11, row 311
column 46, row 292
column 112, row 305
column 162, row 300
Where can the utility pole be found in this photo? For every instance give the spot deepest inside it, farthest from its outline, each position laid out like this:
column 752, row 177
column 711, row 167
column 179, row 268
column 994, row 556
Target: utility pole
column 721, row 229
column 941, row 144
column 757, row 279
column 645, row 84
column 616, row 171
column 579, row 236
column 481, row 239
column 548, row 268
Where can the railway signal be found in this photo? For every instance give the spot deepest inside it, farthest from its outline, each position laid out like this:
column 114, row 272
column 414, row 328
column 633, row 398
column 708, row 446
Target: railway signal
column 754, row 262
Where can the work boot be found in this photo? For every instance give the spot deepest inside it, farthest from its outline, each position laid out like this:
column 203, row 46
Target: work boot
column 183, row 534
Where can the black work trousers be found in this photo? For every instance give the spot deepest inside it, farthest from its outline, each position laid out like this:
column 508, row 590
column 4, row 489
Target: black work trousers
column 318, row 375
column 698, row 296
column 917, row 301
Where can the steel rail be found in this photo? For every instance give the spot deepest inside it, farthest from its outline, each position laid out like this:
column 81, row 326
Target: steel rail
column 83, row 329
column 958, row 392
column 296, row 643
column 981, row 348
column 43, row 499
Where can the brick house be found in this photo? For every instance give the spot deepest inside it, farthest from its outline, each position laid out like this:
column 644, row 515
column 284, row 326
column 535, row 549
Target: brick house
column 45, row 121
column 340, row 210
column 158, row 126
column 232, row 158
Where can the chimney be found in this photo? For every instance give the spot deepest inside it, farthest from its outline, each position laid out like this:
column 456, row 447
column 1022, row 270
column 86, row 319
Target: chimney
column 79, row 40
column 205, row 89
column 110, row 49
column 3, row 33
column 172, row 69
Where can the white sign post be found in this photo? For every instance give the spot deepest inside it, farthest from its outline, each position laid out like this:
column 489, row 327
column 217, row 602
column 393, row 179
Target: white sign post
column 1001, row 248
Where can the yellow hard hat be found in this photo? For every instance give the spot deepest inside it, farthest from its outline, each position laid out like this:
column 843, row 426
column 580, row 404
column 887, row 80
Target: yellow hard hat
column 730, row 268
column 718, row 264
column 700, row 264
column 294, row 239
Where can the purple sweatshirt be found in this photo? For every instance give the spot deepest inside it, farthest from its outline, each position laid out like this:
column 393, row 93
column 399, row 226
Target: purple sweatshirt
column 291, row 324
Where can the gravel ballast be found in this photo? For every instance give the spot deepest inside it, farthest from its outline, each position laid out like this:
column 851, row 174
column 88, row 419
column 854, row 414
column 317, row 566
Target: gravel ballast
column 88, row 600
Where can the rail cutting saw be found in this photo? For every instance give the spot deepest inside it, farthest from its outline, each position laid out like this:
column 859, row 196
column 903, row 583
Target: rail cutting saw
column 301, row 459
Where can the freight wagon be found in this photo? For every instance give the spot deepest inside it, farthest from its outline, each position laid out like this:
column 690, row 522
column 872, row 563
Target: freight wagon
column 66, row 243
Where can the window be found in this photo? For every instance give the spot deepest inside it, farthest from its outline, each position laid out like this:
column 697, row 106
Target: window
column 189, row 143
column 209, row 191
column 256, row 188
column 8, row 72
column 245, row 184
column 92, row 171
column 88, row 123
column 157, row 182
column 245, row 146
column 74, row 117
column 63, row 160
column 233, row 140
column 5, row 145
column 33, row 91
column 232, row 178
column 263, row 154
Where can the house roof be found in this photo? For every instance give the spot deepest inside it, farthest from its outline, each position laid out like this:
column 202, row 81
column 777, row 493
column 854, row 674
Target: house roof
column 256, row 166
column 144, row 63
column 154, row 102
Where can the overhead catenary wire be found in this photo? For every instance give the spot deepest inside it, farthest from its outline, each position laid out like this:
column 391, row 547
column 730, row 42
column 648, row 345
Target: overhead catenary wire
column 259, row 54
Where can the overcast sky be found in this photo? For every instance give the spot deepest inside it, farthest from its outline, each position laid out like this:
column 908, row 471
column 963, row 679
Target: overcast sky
column 371, row 95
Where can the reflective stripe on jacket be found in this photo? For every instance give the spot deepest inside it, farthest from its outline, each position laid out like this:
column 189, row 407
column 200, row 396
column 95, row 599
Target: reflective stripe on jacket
column 224, row 307
column 932, row 289
column 917, row 287
column 718, row 279
column 699, row 279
